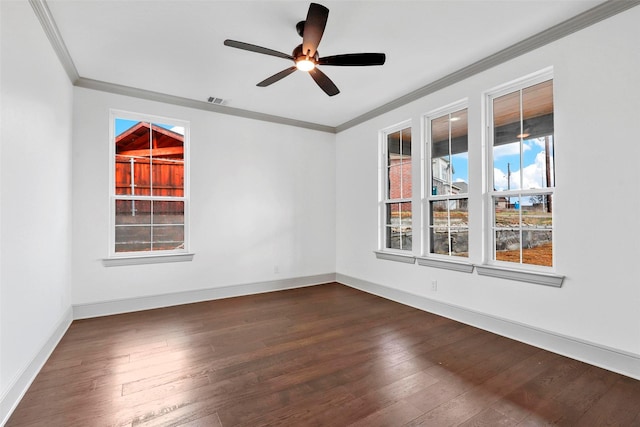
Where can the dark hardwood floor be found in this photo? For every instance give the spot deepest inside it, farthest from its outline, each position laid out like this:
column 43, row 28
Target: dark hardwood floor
column 320, row 356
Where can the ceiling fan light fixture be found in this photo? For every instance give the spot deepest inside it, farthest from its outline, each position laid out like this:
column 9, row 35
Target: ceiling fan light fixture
column 305, row 64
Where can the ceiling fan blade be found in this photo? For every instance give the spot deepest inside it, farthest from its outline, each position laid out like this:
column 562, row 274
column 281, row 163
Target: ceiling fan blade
column 354, row 59
column 314, row 28
column 276, row 77
column 324, row 82
column 258, row 49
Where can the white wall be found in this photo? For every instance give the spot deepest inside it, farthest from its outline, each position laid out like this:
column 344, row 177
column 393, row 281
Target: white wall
column 262, row 196
column 35, row 261
column 597, row 110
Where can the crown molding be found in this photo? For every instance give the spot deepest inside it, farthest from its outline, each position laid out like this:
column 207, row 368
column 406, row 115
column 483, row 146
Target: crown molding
column 192, row 103
column 590, row 17
column 585, row 19
column 53, row 34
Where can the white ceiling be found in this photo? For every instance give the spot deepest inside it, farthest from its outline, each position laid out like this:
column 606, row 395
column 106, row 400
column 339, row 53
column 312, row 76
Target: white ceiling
column 176, row 47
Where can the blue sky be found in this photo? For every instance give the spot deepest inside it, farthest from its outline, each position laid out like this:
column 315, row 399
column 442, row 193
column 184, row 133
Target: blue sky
column 124, row 124
column 533, row 164
column 460, row 164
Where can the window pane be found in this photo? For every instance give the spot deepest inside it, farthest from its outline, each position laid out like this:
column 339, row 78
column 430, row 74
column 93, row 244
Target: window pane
column 537, row 247
column 506, row 118
column 440, row 136
column 406, row 144
column 392, row 238
column 133, row 212
column 168, row 212
column 507, row 245
column 537, row 102
column 439, row 213
column 399, row 165
column 394, row 181
column 537, row 136
column 459, row 152
column 449, row 160
column 449, row 227
column 507, row 212
column 168, row 237
column 459, row 213
column 393, row 226
column 133, row 172
column 133, row 225
column 133, row 238
column 405, row 150
column 536, row 211
column 460, row 242
column 399, row 227
column 170, row 234
column 507, row 124
column 538, row 163
column 393, row 147
column 406, row 188
column 459, row 173
column 167, row 156
column 439, row 238
column 168, row 230
column 440, row 175
column 123, row 174
column 392, row 211
column 506, row 167
column 406, row 232
column 440, row 156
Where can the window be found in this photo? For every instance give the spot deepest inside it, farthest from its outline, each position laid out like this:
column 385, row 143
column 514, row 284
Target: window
column 396, row 193
column 447, row 198
column 149, row 186
column 522, row 173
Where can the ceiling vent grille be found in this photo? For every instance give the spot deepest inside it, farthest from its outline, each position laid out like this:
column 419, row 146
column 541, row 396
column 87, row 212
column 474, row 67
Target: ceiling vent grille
column 215, row 101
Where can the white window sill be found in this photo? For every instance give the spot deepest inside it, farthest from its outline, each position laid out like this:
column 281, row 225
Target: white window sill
column 464, row 267
column 539, row 278
column 147, row 259
column 394, row 256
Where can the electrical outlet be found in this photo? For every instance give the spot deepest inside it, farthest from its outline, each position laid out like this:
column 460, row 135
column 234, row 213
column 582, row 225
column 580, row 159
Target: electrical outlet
column 276, row 269
column 434, row 286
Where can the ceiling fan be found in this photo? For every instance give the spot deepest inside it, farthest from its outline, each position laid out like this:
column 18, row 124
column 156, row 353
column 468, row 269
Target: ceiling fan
column 305, row 56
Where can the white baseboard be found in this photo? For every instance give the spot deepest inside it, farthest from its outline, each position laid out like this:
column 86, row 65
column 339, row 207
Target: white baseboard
column 106, row 308
column 622, row 362
column 23, row 379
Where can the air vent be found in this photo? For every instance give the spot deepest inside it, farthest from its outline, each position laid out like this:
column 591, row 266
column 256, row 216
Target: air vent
column 216, row 101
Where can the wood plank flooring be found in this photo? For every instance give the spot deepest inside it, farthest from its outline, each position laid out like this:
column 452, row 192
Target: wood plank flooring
column 320, row 356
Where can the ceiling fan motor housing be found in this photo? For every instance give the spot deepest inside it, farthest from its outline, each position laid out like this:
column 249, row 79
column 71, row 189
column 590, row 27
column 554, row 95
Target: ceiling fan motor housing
column 298, row 54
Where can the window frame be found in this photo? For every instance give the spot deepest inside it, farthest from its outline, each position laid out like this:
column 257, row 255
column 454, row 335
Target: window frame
column 427, row 190
column 394, row 254
column 492, row 266
column 148, row 256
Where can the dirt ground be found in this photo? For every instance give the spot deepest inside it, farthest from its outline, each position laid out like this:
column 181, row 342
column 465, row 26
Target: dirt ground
column 540, row 255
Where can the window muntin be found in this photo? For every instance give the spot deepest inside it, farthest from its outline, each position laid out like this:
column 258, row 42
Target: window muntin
column 523, row 175
column 447, row 210
column 149, row 203
column 398, row 232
